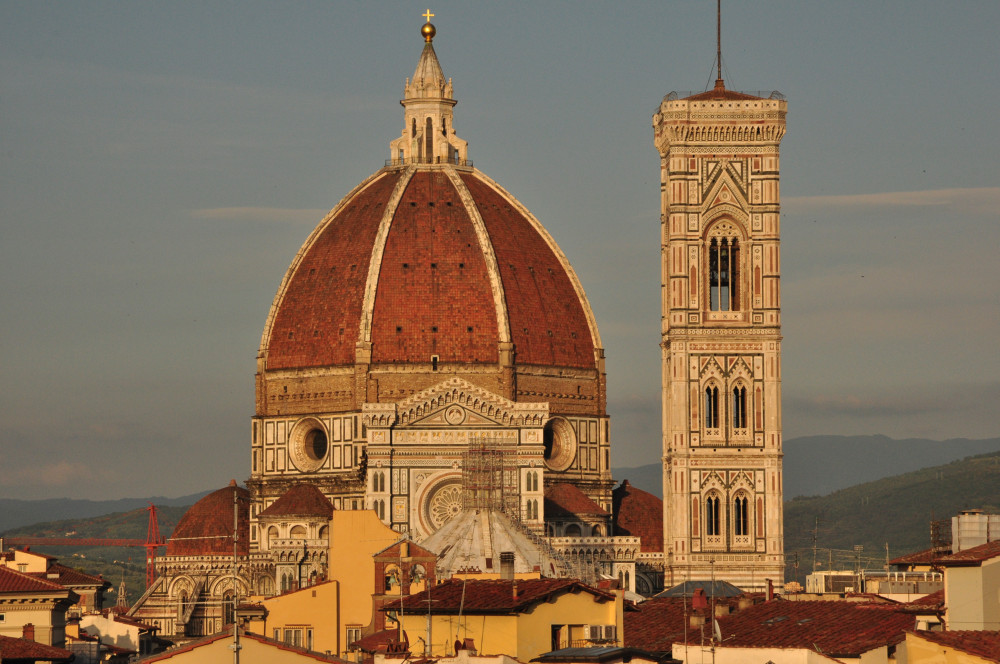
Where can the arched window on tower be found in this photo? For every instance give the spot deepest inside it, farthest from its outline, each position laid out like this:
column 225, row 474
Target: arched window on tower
column 739, row 407
column 724, row 274
column 711, row 407
column 712, row 525
column 741, row 519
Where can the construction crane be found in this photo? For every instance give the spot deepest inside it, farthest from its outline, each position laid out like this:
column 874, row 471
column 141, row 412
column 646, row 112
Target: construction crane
column 152, row 542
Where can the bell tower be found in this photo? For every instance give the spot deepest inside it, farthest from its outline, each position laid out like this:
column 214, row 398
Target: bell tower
column 721, row 335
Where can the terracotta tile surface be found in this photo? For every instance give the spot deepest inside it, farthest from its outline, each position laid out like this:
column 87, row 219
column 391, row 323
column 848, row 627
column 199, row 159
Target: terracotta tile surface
column 492, row 596
column 926, row 556
column 12, row 581
column 659, row 622
column 638, row 513
column 834, row 628
column 206, row 529
column 67, row 576
column 325, row 294
column 434, row 295
column 973, row 556
column 21, row 649
column 566, row 500
column 301, row 500
column 547, row 321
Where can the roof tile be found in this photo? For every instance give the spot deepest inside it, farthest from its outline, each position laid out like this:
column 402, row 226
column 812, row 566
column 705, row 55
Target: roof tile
column 492, row 596
column 301, row 500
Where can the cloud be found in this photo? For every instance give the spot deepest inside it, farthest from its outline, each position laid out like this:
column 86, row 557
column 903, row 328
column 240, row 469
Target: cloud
column 979, row 201
column 925, row 410
column 256, row 214
column 57, row 474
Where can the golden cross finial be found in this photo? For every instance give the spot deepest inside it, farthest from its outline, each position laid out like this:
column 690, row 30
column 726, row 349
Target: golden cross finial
column 428, row 15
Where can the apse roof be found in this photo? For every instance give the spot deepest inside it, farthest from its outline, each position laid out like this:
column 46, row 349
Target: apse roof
column 301, row 500
column 638, row 513
column 207, row 527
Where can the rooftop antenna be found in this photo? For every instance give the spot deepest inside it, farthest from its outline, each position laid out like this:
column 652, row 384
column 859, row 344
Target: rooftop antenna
column 718, row 39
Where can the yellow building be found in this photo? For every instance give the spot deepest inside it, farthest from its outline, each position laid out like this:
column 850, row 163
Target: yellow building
column 515, row 617
column 253, row 648
column 368, row 565
column 961, row 647
column 33, row 608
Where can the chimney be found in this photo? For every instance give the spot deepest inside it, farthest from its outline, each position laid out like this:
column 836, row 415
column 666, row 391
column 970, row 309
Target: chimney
column 513, row 589
column 770, row 590
column 28, row 632
column 507, row 565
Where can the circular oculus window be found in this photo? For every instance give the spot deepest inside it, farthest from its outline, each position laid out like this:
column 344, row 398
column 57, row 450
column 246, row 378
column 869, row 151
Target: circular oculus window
column 308, row 445
column 560, row 444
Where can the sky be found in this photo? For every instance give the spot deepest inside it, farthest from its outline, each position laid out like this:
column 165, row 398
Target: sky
column 162, row 162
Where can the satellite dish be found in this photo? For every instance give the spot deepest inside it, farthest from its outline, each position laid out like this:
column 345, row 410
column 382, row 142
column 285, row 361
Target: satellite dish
column 716, row 631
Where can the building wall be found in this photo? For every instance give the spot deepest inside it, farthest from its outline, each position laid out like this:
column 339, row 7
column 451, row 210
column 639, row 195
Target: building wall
column 355, row 537
column 251, row 651
column 523, row 636
column 313, row 611
column 110, row 631
column 48, row 617
column 972, row 596
column 696, row 654
column 917, row 650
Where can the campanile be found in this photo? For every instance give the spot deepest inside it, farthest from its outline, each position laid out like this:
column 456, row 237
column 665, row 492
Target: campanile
column 721, row 335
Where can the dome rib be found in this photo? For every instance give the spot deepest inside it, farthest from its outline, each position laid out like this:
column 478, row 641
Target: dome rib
column 346, row 234
column 492, row 267
column 378, row 251
column 545, row 302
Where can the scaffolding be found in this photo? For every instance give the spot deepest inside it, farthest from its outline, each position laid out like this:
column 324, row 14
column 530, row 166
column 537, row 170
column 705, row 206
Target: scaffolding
column 489, row 477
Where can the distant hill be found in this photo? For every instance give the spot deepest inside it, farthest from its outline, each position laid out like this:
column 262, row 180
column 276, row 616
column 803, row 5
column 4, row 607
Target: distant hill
column 894, row 511
column 818, row 465
column 14, row 513
column 111, row 562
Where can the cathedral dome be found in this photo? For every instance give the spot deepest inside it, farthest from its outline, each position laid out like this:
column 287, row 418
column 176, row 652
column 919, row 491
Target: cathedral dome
column 206, row 529
column 428, row 266
column 424, row 261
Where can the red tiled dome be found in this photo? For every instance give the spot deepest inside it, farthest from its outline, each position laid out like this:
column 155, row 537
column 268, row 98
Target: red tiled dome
column 206, row 529
column 429, row 260
column 640, row 514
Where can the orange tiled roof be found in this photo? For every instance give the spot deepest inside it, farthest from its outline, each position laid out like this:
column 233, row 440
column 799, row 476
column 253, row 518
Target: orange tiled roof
column 979, row 643
column 932, row 600
column 837, row 629
column 720, row 92
column 927, row 556
column 661, row 621
column 192, row 645
column 640, row 514
column 973, row 556
column 67, row 576
column 30, row 651
column 301, row 500
column 563, row 499
column 492, row 596
column 12, row 581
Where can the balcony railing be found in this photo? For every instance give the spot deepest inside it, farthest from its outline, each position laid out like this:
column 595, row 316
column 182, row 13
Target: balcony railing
column 423, row 160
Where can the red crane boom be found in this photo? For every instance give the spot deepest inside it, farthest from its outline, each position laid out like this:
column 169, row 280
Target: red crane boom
column 152, row 542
